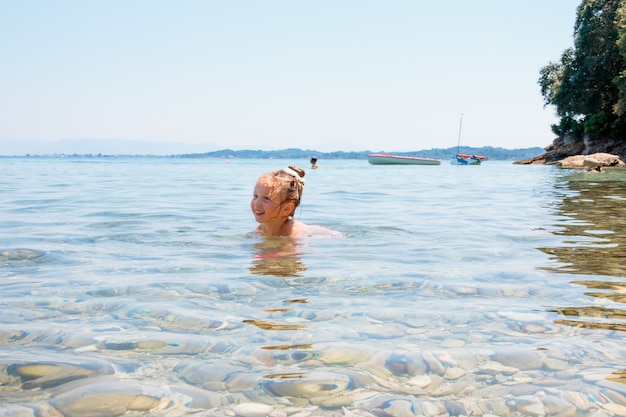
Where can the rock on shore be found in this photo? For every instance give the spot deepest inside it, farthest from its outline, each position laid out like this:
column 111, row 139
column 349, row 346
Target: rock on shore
column 594, row 161
column 589, row 153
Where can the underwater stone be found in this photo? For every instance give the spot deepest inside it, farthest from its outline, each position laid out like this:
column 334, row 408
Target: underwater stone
column 253, row 410
column 108, row 398
column 50, row 373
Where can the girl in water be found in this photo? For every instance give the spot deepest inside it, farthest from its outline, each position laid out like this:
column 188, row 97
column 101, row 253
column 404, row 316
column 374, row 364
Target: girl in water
column 276, row 196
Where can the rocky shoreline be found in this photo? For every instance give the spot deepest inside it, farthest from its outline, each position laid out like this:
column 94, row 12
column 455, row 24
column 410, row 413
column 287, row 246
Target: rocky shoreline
column 592, row 154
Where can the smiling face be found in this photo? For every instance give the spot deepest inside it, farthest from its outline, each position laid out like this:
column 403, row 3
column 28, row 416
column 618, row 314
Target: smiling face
column 267, row 206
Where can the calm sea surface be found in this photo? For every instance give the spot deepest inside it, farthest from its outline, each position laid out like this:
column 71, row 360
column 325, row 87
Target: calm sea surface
column 135, row 286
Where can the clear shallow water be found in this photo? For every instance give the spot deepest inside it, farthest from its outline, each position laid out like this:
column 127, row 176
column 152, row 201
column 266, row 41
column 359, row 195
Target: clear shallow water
column 134, row 285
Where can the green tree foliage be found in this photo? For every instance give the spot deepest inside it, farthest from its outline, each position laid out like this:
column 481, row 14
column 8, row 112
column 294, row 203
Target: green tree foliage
column 587, row 86
column 620, row 80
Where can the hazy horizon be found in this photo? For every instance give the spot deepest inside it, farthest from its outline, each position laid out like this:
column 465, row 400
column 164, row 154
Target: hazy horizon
column 136, row 147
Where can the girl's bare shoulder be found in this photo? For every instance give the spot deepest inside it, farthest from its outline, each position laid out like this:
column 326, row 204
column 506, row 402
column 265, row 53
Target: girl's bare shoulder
column 313, row 231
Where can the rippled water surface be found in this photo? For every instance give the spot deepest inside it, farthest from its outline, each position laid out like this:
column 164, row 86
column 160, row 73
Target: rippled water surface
column 135, row 286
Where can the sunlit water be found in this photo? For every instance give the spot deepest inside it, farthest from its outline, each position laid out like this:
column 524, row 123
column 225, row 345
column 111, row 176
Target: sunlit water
column 135, row 285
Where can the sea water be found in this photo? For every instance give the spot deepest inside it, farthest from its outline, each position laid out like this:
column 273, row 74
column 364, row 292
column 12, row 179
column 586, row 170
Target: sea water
column 135, row 285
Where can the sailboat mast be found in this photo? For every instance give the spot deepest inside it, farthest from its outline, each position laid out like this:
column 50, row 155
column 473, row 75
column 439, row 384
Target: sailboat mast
column 459, row 142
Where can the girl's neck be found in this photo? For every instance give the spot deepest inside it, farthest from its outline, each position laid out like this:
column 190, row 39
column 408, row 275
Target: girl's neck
column 282, row 229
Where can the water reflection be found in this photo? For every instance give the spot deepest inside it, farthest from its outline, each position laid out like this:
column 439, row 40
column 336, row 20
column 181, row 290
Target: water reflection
column 280, row 257
column 593, row 231
column 272, row 325
column 618, row 376
column 594, row 228
column 277, row 257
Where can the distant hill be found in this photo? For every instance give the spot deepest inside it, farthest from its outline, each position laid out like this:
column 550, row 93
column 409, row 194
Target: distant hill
column 121, row 147
column 493, row 154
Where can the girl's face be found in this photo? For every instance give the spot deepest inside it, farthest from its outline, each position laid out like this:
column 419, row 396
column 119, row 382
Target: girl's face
column 266, row 206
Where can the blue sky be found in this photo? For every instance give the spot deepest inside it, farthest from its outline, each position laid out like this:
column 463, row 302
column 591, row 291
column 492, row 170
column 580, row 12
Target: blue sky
column 391, row 75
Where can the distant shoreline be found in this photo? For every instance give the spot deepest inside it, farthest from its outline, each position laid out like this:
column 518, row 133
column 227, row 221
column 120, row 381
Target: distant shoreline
column 491, row 152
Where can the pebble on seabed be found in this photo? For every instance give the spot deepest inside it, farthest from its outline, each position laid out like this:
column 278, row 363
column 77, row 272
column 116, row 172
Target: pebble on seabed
column 21, row 254
column 50, row 373
column 253, row 410
column 306, row 385
column 108, row 397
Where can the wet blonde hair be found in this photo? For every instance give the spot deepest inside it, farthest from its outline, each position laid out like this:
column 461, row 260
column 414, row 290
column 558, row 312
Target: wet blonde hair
column 285, row 186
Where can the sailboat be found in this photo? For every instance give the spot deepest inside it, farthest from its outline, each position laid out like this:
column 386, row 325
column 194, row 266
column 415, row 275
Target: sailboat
column 465, row 159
